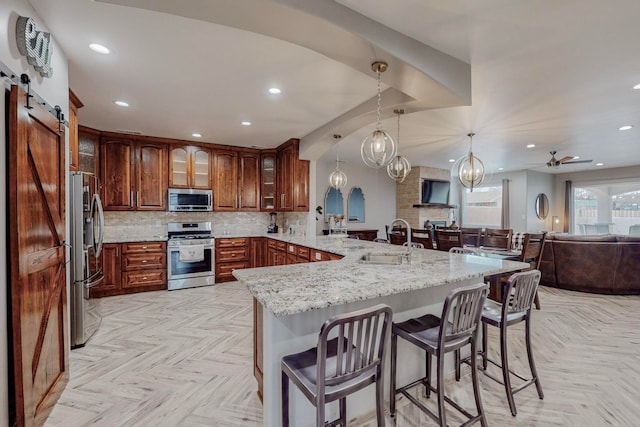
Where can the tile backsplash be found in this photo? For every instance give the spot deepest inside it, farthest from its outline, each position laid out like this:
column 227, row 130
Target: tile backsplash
column 122, row 226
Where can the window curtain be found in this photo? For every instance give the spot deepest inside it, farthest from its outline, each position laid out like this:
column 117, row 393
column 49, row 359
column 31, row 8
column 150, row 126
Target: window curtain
column 568, row 205
column 504, row 221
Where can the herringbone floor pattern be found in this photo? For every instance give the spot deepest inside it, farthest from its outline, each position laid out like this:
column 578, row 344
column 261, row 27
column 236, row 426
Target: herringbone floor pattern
column 184, row 358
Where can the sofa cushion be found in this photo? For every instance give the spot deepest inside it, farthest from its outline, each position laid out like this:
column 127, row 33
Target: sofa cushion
column 580, row 238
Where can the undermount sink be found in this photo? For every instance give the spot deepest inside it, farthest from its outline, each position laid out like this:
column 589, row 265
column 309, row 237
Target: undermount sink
column 381, row 258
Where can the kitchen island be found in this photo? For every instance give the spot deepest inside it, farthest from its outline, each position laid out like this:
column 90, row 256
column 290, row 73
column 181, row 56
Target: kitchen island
column 295, row 300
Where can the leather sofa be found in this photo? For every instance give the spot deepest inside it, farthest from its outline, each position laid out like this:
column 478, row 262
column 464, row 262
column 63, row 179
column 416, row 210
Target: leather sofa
column 606, row 264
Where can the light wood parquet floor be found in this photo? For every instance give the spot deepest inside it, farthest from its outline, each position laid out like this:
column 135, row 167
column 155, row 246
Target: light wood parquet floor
column 184, row 358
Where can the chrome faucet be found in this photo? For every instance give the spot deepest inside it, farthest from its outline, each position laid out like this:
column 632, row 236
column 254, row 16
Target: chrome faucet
column 410, row 248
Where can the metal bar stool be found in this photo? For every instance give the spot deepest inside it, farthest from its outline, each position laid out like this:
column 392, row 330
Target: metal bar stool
column 438, row 336
column 463, row 251
column 342, row 365
column 516, row 307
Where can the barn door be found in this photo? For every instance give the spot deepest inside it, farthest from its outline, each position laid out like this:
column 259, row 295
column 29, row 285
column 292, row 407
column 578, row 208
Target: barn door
column 37, row 252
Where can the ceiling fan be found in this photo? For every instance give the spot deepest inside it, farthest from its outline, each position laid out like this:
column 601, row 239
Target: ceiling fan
column 567, row 160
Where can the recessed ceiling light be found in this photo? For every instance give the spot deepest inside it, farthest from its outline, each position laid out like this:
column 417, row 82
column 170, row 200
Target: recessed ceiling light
column 500, row 169
column 531, row 145
column 625, row 127
column 637, row 86
column 196, row 135
column 576, row 157
column 275, row 91
column 121, row 103
column 452, row 160
column 599, row 164
column 99, row 48
column 245, row 123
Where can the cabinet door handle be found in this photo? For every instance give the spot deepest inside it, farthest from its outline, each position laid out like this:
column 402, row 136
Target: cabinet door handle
column 138, row 198
column 131, row 198
column 117, row 250
column 282, row 200
column 144, row 247
column 144, row 277
column 144, row 261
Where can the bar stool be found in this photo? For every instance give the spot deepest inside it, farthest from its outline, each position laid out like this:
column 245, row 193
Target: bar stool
column 463, row 251
column 438, row 336
column 380, row 240
column 340, row 366
column 518, row 300
column 414, row 245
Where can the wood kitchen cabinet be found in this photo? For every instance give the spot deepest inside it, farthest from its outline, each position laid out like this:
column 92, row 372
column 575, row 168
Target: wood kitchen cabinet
column 133, row 174
column 189, row 167
column 236, row 181
column 268, row 181
column 88, row 150
column 74, row 105
column 231, row 254
column 292, row 179
column 258, row 252
column 132, row 267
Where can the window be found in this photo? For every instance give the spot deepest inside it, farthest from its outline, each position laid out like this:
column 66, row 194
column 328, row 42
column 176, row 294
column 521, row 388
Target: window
column 483, row 207
column 606, row 208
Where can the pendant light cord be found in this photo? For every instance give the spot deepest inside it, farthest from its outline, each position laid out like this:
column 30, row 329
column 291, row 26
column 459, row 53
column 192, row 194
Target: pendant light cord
column 378, row 121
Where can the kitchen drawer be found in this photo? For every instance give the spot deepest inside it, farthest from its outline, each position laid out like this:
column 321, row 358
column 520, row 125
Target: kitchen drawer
column 140, row 247
column 317, row 255
column 303, row 252
column 232, row 254
column 271, row 243
column 143, row 278
column 139, row 261
column 233, row 242
column 281, row 246
column 224, row 271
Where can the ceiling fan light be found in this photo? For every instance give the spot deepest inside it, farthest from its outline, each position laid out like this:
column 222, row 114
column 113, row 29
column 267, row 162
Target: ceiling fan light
column 399, row 169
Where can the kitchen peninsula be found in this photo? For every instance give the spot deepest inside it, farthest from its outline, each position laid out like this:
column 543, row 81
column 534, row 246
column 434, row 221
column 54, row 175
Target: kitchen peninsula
column 295, row 300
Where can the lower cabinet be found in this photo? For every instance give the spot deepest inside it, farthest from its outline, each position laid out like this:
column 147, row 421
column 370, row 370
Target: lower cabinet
column 231, row 254
column 132, row 267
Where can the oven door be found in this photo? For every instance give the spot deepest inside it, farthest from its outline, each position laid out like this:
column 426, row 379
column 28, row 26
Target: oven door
column 184, row 270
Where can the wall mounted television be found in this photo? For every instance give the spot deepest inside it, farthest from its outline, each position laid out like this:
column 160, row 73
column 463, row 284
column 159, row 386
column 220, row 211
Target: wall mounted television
column 435, row 192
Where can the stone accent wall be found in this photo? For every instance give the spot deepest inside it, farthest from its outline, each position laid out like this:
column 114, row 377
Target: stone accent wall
column 408, row 193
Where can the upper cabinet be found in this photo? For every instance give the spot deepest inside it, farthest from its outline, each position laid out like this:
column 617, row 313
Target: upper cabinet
column 293, row 179
column 268, row 181
column 189, row 167
column 74, row 105
column 236, row 181
column 133, row 174
column 88, row 150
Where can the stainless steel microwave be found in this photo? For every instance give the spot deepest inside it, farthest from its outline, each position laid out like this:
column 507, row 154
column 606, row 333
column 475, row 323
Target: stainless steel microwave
column 185, row 199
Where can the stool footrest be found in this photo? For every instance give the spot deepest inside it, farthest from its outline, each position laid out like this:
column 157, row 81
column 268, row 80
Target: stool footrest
column 423, row 408
column 527, row 381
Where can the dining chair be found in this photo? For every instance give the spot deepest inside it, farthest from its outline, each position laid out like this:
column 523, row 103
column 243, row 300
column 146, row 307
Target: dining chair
column 471, row 236
column 380, row 240
column 447, row 239
column 437, row 336
column 463, row 251
column 415, row 245
column 497, row 238
column 422, row 236
column 532, row 248
column 342, row 365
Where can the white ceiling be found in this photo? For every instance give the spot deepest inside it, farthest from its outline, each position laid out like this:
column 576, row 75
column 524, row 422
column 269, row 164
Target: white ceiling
column 555, row 74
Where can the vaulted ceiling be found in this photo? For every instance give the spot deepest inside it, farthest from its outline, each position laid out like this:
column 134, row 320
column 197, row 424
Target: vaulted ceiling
column 558, row 75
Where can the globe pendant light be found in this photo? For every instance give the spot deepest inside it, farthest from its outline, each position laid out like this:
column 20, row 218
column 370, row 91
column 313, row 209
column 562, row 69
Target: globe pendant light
column 378, row 148
column 471, row 168
column 399, row 167
column 337, row 179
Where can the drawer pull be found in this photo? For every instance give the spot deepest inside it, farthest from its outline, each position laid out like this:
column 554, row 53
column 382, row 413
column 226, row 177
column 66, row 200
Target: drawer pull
column 144, row 277
column 144, row 247
column 144, row 261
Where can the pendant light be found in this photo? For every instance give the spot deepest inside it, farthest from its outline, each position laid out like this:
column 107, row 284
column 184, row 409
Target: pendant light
column 399, row 167
column 471, row 168
column 337, row 179
column 378, row 148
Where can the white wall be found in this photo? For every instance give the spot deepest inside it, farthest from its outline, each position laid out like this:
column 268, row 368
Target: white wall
column 379, row 194
column 55, row 91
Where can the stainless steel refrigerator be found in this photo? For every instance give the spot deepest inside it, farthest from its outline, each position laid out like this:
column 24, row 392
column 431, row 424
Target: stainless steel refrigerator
column 86, row 229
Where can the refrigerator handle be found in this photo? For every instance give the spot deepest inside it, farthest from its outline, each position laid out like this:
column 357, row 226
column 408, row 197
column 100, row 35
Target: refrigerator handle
column 97, row 203
column 95, row 282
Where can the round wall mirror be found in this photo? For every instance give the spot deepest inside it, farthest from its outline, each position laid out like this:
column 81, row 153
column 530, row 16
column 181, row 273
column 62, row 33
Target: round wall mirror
column 542, row 206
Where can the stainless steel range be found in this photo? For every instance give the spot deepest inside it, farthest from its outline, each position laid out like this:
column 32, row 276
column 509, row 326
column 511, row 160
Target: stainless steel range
column 190, row 255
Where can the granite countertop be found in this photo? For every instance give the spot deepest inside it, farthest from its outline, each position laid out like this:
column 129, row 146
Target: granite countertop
column 135, row 238
column 296, row 288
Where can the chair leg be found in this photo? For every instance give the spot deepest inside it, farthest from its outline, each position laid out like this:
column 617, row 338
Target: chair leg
column 476, row 386
column 394, row 351
column 532, row 364
column 285, row 400
column 343, row 412
column 441, row 412
column 457, row 362
column 379, row 399
column 505, row 368
column 427, row 387
column 320, row 411
column 536, row 301
column 485, row 345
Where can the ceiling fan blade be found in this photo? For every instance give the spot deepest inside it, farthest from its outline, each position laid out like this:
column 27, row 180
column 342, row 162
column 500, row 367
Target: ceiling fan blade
column 577, row 161
column 565, row 159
